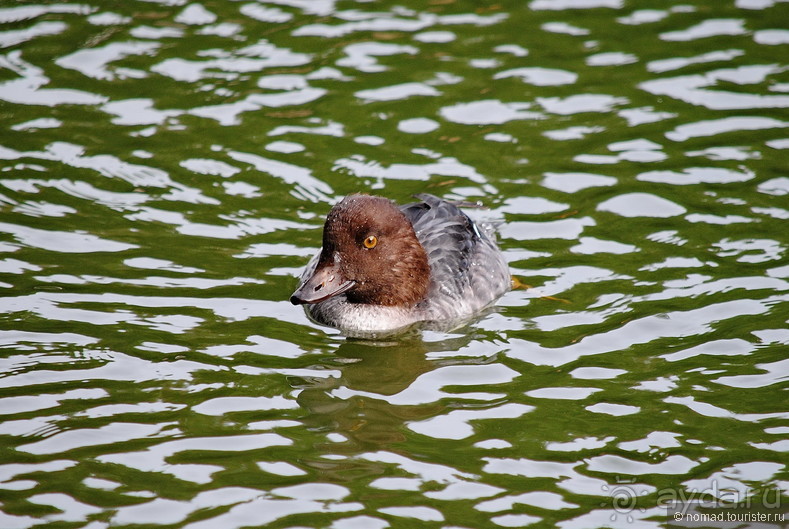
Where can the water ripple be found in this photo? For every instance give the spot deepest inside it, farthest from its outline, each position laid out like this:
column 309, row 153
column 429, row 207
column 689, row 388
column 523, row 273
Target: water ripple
column 166, row 171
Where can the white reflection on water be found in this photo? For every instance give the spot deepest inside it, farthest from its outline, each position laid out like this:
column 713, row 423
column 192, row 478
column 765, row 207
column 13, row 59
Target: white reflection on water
column 69, row 509
column 726, row 153
column 19, row 13
column 281, row 468
column 389, row 22
column 540, row 76
column 653, row 440
column 397, row 92
column 641, row 205
column 564, row 27
column 444, row 166
column 425, row 514
column 531, row 206
column 21, row 337
column 716, row 219
column 579, row 443
column 117, row 366
column 43, row 209
column 455, row 424
column 362, row 55
column 265, row 14
column 722, row 126
column 228, row 114
column 750, row 250
column 488, row 112
column 776, row 186
column 771, row 37
column 643, row 16
column 674, row 464
column 108, row 18
column 303, row 179
column 693, row 88
column 253, row 58
column 707, row 28
column 706, row 409
column 210, row 167
column 735, row 478
column 665, row 305
column 28, row 89
column 109, row 434
column 107, row 165
column 435, row 36
column 464, row 490
column 41, row 123
column 774, row 373
column 514, row 49
column 544, row 500
column 560, row 5
column 93, row 62
column 580, row 103
column 616, row 58
column 596, row 373
column 640, row 116
column 262, row 510
column 733, row 346
column 148, row 32
column 154, row 458
column 574, row 393
column 15, row 266
column 138, row 111
column 332, row 128
column 643, row 330
column 62, row 241
column 675, row 63
column 529, row 468
column 417, row 126
column 195, row 14
column 285, row 147
column 428, row 387
column 425, row 471
column 222, row 405
column 27, row 403
column 573, row 182
column 591, row 245
column 54, row 306
column 617, row 410
column 697, row 175
column 556, row 229
column 14, row 37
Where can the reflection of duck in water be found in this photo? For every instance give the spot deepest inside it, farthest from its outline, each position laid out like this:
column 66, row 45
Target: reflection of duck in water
column 382, row 386
column 384, row 267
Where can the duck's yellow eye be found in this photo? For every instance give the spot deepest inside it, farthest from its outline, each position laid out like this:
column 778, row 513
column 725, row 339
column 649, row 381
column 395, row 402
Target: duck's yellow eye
column 370, row 242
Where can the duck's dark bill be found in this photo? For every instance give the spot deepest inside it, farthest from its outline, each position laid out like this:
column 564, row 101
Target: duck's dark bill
column 325, row 282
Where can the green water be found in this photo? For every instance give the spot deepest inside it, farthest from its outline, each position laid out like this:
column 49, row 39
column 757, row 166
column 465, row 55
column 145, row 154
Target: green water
column 165, row 169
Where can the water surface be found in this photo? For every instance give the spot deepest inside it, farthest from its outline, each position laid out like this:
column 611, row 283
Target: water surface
column 166, row 169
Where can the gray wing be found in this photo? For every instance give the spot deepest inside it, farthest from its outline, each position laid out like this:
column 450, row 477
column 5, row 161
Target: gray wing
column 448, row 236
column 455, row 245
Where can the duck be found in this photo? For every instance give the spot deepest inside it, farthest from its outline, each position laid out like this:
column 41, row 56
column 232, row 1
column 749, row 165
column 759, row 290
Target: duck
column 383, row 268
